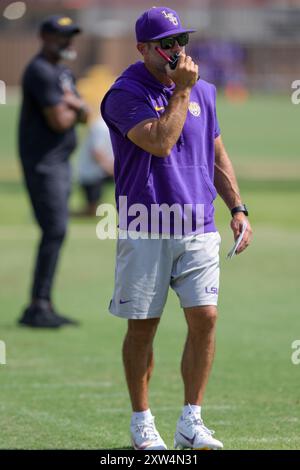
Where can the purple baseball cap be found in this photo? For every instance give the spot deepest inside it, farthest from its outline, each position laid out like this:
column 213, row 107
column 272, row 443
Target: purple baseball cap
column 157, row 23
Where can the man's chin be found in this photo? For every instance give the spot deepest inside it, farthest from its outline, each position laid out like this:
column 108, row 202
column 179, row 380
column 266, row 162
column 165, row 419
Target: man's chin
column 66, row 54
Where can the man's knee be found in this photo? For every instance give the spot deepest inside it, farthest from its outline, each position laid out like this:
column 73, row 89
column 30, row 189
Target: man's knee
column 142, row 330
column 201, row 317
column 55, row 231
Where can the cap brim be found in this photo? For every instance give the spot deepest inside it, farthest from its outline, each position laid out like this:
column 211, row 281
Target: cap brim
column 71, row 31
column 172, row 33
column 64, row 31
column 76, row 30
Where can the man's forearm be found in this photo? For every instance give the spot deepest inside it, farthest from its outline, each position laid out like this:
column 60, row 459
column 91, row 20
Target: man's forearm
column 158, row 136
column 77, row 104
column 168, row 127
column 225, row 181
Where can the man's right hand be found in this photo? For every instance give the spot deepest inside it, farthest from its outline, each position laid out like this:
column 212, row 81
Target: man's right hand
column 185, row 75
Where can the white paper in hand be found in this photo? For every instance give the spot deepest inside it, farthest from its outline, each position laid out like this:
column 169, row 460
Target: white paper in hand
column 237, row 241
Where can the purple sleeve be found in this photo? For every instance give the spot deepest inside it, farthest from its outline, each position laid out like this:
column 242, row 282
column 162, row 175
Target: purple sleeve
column 125, row 110
column 217, row 127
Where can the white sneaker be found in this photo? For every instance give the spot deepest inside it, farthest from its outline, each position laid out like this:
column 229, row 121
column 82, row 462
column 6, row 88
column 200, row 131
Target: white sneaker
column 144, row 436
column 192, row 434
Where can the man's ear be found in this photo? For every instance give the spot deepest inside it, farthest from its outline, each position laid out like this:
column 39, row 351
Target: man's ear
column 142, row 47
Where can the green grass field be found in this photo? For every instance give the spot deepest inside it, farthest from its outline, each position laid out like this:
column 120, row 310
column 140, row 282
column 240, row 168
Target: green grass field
column 65, row 389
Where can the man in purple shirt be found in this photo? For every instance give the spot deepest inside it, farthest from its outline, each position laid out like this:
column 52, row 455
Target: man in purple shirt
column 170, row 163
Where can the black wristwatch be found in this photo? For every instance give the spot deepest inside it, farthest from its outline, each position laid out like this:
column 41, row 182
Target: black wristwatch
column 241, row 208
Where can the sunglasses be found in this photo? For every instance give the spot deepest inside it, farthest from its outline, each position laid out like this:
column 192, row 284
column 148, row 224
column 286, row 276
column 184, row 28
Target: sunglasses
column 169, row 43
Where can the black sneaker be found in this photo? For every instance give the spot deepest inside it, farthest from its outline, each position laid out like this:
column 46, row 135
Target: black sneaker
column 36, row 317
column 64, row 320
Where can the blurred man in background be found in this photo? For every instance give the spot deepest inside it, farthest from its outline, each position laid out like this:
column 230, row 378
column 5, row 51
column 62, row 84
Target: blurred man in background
column 51, row 109
column 95, row 165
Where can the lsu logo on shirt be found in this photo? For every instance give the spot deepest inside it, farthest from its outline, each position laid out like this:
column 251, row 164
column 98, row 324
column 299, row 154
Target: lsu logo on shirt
column 194, row 108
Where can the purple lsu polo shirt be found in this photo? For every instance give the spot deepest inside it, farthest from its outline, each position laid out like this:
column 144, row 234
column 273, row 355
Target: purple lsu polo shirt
column 186, row 175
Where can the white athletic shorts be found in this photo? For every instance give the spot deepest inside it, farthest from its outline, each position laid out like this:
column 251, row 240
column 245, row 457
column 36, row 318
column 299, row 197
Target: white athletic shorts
column 145, row 268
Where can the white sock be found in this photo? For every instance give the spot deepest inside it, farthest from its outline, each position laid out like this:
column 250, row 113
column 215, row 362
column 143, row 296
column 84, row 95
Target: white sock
column 189, row 408
column 138, row 416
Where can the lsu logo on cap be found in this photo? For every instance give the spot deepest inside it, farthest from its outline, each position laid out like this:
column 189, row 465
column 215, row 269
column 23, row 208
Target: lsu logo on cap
column 194, row 108
column 65, row 21
column 170, row 17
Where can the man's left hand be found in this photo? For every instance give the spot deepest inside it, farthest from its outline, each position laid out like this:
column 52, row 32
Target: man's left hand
column 237, row 226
